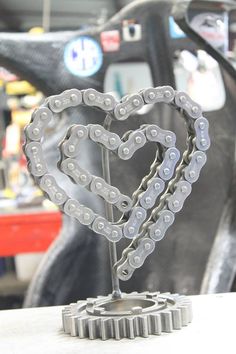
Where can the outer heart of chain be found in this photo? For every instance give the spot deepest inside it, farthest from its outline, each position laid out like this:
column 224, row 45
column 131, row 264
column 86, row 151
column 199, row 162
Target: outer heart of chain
column 163, row 191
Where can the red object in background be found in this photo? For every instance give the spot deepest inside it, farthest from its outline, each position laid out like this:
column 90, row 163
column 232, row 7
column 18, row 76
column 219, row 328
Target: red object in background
column 110, row 41
column 30, row 232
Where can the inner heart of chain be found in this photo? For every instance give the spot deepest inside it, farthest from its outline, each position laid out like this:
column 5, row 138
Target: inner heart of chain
column 134, row 210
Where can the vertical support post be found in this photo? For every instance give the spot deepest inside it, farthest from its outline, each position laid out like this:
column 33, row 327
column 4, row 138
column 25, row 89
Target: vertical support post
column 116, row 293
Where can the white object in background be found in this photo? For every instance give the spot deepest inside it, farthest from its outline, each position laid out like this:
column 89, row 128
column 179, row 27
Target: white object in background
column 83, row 56
column 121, row 79
column 12, row 140
column 214, row 28
column 26, row 265
column 131, row 31
column 201, row 78
column 188, row 60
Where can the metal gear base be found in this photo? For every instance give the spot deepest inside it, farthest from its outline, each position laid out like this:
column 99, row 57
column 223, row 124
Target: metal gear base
column 135, row 314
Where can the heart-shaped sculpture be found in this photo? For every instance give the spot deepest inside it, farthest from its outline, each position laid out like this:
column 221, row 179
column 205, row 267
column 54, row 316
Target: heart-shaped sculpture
column 134, row 223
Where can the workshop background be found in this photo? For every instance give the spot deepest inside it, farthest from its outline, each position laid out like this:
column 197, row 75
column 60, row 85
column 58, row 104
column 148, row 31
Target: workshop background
column 30, row 224
column 23, row 240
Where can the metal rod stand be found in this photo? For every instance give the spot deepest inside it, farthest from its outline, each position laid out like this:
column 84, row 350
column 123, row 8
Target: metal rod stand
column 116, row 292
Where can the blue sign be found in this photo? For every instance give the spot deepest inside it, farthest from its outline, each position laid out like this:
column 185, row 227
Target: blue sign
column 83, row 56
column 175, row 30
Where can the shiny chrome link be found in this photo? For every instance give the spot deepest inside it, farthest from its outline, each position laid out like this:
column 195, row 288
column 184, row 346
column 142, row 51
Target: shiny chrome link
column 135, row 141
column 78, row 175
column 112, row 232
column 124, row 203
column 148, row 198
column 49, row 185
column 39, row 122
column 109, row 193
column 100, row 135
column 192, row 171
column 123, row 269
column 136, row 219
column 137, row 257
column 158, row 135
column 202, row 137
column 167, row 167
column 158, row 229
column 75, row 134
column 153, row 95
column 34, row 154
column 83, row 214
column 177, row 199
column 130, row 105
column 68, row 98
column 191, row 108
column 104, row 101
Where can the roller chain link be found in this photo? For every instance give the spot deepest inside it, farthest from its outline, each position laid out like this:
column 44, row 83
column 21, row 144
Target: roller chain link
column 70, row 146
column 100, row 135
column 136, row 219
column 40, row 119
column 148, row 198
column 135, row 141
column 112, row 232
column 71, row 168
column 68, row 98
column 132, row 104
column 104, row 101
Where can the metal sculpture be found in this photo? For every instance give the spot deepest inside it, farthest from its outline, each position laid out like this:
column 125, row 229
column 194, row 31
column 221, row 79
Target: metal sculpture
column 144, row 220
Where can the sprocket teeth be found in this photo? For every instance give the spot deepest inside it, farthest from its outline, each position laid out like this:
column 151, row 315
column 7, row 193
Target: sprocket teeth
column 106, row 329
column 91, row 319
column 74, row 326
column 176, row 318
column 190, row 311
column 186, row 302
column 66, row 322
column 118, row 325
column 155, row 324
column 184, row 315
column 166, row 320
column 130, row 328
column 82, row 327
column 92, row 328
column 143, row 326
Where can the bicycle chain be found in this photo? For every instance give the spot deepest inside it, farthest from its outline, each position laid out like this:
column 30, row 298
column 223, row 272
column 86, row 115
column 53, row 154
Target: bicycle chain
column 144, row 235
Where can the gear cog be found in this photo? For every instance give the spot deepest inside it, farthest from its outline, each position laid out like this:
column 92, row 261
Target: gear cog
column 133, row 315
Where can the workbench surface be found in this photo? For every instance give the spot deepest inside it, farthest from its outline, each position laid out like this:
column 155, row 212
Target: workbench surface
column 39, row 330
